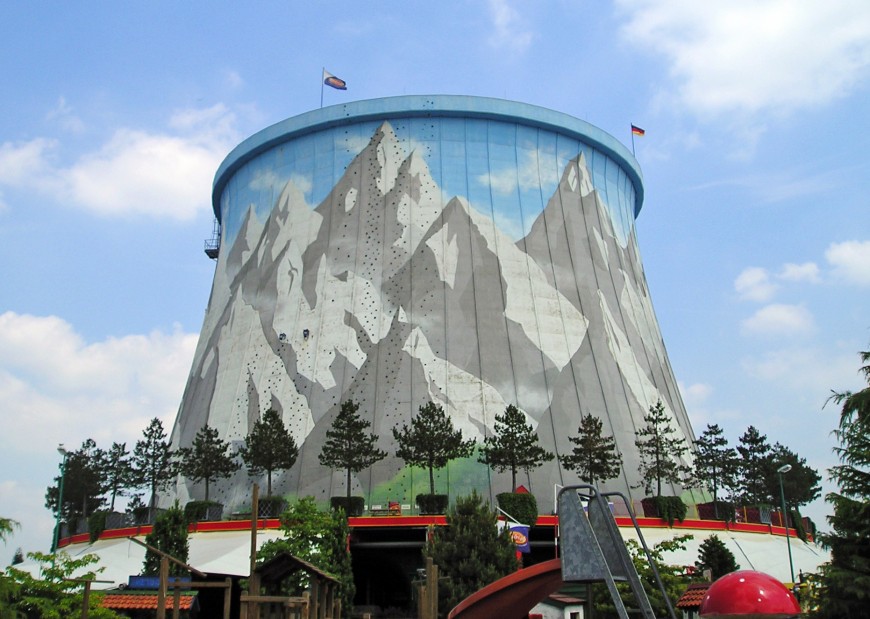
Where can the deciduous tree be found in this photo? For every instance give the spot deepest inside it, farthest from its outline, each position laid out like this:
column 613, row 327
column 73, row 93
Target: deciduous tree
column 801, row 485
column 207, row 459
column 269, row 447
column 319, row 537
column 661, row 451
column 349, row 445
column 514, row 446
column 594, row 456
column 431, row 441
column 83, row 483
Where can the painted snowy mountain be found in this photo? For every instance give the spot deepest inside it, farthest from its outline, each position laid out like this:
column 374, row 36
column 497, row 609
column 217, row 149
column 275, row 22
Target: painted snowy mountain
column 388, row 294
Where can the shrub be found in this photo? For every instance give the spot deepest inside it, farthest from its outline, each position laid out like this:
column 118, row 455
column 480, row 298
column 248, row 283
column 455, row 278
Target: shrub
column 432, row 503
column 352, row 506
column 196, row 511
column 668, row 508
column 522, row 507
column 716, row 510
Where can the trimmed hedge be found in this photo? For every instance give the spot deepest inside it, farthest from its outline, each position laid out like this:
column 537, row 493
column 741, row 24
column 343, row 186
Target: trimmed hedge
column 668, row 508
column 522, row 507
column 196, row 511
column 716, row 510
column 432, row 503
column 352, row 507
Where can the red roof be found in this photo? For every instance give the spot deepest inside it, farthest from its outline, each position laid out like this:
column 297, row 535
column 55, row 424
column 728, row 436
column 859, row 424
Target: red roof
column 144, row 601
column 693, row 596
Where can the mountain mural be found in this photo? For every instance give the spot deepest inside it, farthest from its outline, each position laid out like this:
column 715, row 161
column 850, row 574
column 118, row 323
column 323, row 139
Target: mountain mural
column 392, row 294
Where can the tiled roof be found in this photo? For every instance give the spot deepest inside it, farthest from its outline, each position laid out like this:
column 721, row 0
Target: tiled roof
column 132, row 600
column 693, row 596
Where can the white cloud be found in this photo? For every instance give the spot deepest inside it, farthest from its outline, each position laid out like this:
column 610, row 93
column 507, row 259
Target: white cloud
column 811, row 372
column 850, row 261
column 26, row 164
column 58, row 388
column 528, row 175
column 778, row 319
column 754, row 55
column 508, row 27
column 63, row 115
column 754, row 284
column 806, row 272
column 135, row 172
column 51, row 379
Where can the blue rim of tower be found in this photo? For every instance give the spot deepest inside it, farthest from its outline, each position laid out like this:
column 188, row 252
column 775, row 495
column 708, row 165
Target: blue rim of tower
column 426, row 106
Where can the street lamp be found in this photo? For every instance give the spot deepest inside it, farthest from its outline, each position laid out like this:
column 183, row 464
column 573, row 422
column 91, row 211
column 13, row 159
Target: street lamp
column 785, row 468
column 64, row 454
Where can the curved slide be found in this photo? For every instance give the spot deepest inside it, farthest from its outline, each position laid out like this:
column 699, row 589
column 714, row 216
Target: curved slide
column 513, row 596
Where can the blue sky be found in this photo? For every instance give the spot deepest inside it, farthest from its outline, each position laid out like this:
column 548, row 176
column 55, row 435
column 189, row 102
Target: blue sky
column 754, row 233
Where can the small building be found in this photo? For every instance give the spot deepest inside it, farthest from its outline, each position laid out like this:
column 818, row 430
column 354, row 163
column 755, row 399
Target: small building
column 690, row 602
column 559, row 606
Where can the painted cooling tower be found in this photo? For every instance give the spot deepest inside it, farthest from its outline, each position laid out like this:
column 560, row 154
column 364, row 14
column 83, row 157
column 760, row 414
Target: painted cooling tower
column 473, row 252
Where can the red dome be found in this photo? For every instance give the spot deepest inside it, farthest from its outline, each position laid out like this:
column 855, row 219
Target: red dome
column 748, row 594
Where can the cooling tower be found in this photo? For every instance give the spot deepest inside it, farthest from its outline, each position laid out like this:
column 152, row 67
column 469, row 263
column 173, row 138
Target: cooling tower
column 469, row 251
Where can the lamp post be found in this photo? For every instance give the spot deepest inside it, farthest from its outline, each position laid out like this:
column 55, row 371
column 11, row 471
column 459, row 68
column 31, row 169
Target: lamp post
column 64, row 454
column 785, row 468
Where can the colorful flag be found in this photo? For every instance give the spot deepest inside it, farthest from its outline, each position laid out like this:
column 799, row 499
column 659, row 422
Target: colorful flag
column 330, row 80
column 520, row 537
column 637, row 130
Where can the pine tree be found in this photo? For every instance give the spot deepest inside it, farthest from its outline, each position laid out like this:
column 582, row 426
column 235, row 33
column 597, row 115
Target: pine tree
column 714, row 555
column 168, row 534
column 594, row 456
column 845, row 581
column 661, row 449
column 716, row 462
column 513, row 446
column 430, row 441
column 269, row 447
column 207, row 458
column 755, row 467
column 153, row 467
column 470, row 552
column 349, row 445
column 117, row 470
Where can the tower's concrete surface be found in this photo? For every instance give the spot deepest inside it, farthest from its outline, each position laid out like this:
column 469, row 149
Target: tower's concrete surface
column 473, row 252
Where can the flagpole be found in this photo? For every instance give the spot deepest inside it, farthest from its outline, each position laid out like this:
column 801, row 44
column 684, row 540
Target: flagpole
column 321, row 87
column 631, row 128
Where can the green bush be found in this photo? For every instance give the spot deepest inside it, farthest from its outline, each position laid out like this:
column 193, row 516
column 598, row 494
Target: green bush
column 97, row 524
column 668, row 508
column 196, row 511
column 432, row 503
column 352, row 506
column 521, row 507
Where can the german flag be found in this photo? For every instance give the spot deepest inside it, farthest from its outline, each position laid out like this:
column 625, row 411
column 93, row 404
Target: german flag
column 635, row 130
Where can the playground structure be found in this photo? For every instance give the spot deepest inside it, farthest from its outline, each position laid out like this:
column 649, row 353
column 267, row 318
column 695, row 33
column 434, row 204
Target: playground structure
column 592, row 551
